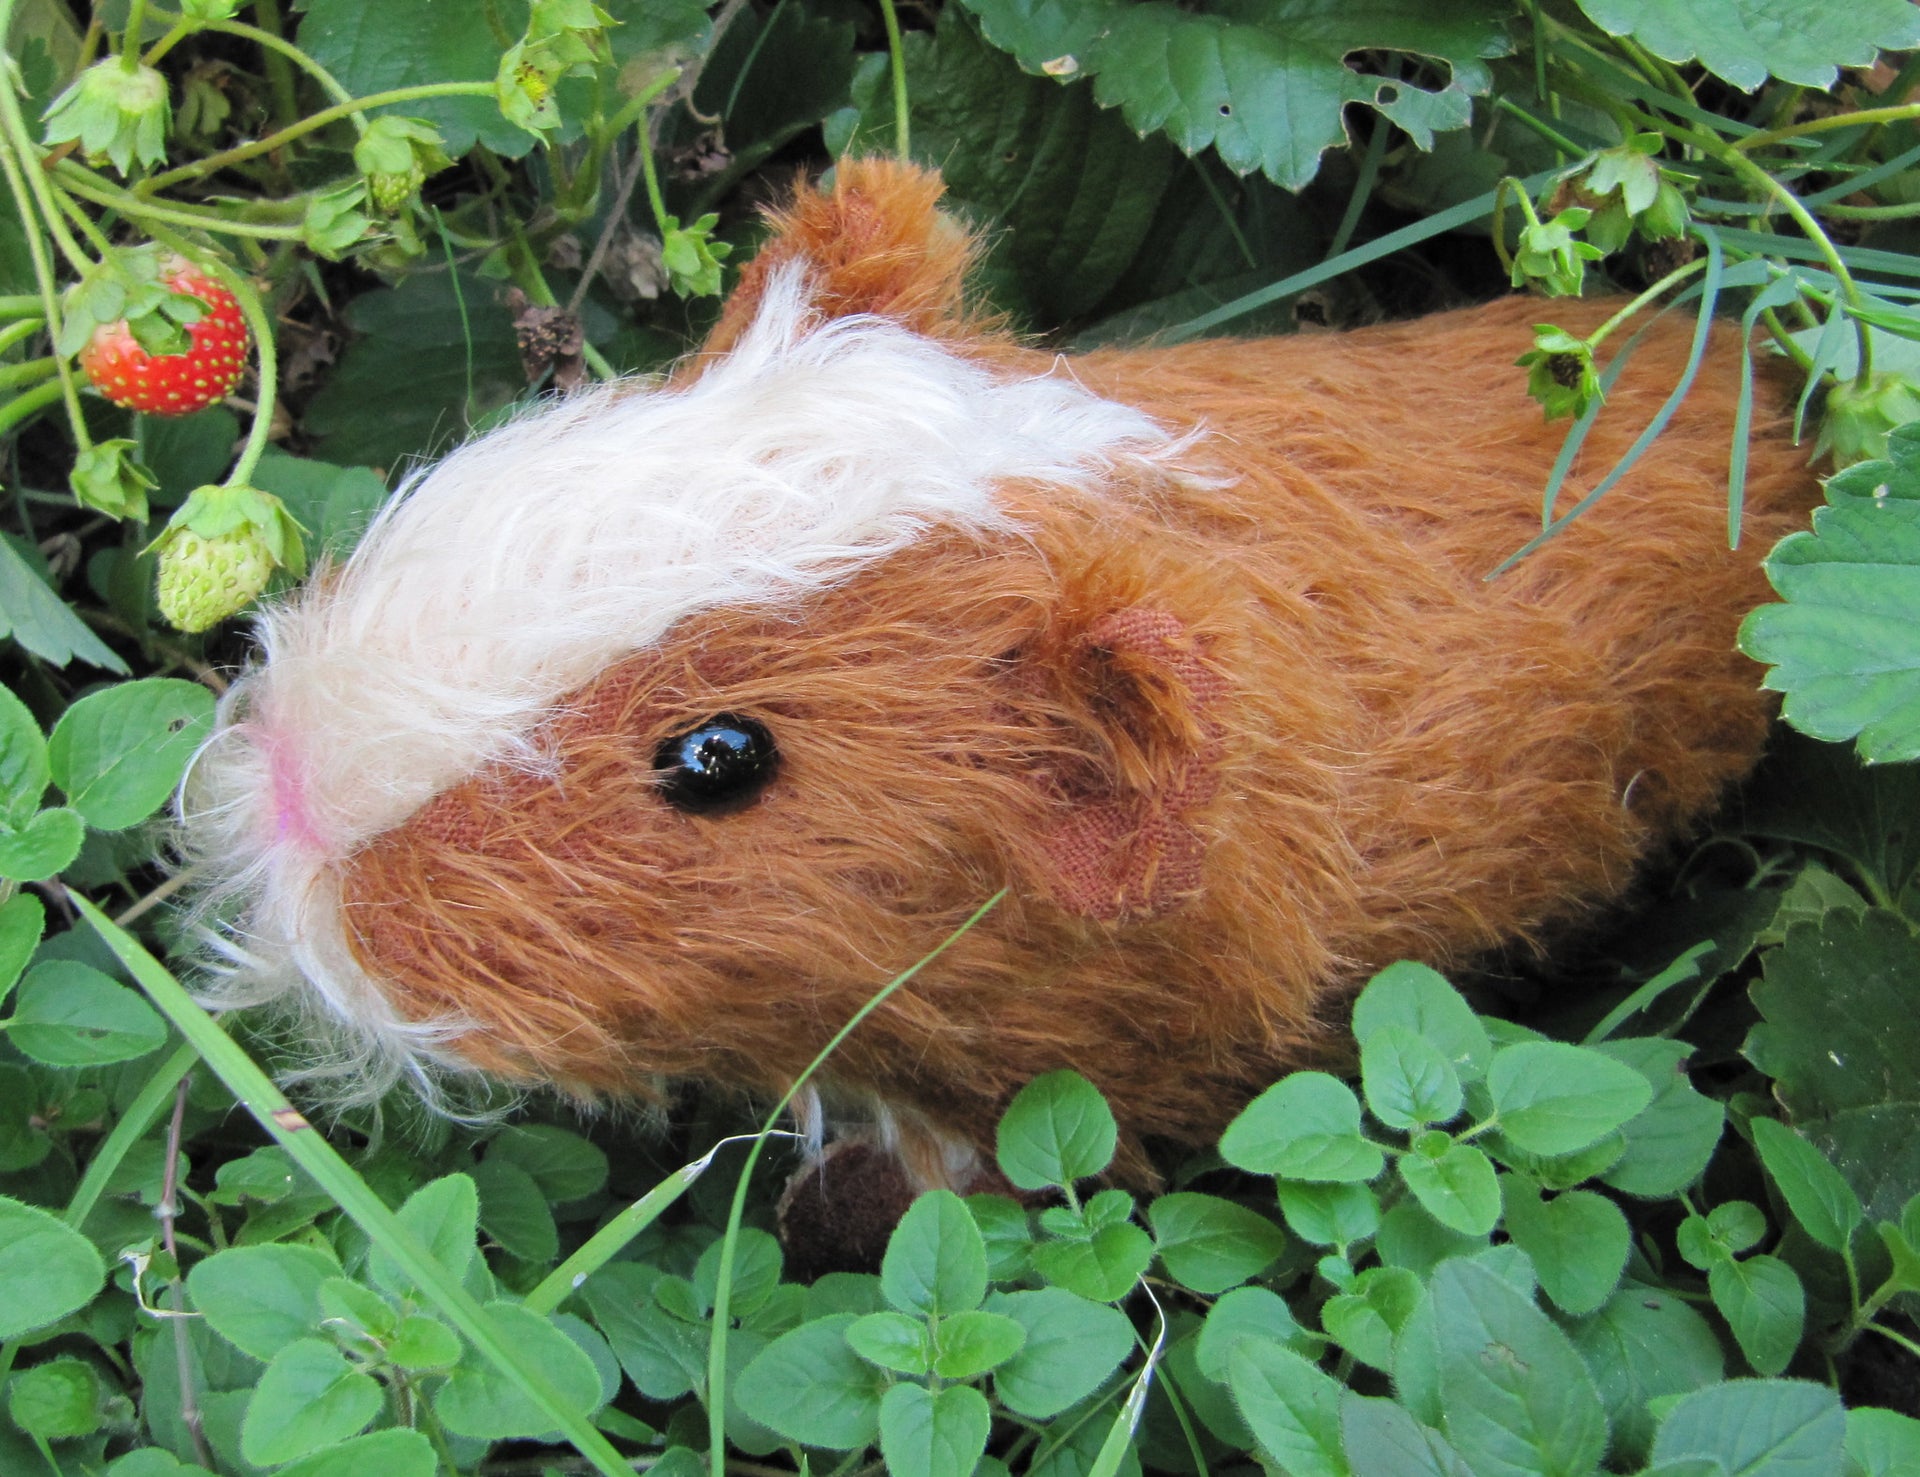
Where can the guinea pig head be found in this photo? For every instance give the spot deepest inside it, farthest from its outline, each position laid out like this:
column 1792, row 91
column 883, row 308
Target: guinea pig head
column 649, row 735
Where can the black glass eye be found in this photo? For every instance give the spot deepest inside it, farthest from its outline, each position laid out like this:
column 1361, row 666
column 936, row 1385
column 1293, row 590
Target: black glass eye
column 720, row 765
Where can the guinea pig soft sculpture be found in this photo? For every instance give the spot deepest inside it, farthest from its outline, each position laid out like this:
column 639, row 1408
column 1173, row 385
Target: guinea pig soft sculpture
column 646, row 737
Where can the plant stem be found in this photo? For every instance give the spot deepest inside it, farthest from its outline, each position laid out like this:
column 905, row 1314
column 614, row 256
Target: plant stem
column 277, row 46
column 30, row 403
column 65, row 389
column 18, row 333
column 18, row 376
column 1552, row 135
column 89, row 186
column 242, row 152
column 1678, row 274
column 177, row 33
column 286, row 102
column 1865, row 117
column 897, row 58
column 130, row 38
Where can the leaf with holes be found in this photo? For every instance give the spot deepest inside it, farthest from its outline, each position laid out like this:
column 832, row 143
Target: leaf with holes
column 1264, row 85
column 120, row 752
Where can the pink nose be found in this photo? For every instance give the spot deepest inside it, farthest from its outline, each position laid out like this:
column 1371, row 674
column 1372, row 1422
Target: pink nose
column 293, row 822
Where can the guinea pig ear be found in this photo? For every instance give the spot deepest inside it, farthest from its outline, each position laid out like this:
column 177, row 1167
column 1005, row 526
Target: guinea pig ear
column 876, row 243
column 1133, row 695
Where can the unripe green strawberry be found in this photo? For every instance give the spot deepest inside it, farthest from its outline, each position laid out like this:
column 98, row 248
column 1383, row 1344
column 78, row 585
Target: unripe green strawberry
column 205, row 580
column 220, row 549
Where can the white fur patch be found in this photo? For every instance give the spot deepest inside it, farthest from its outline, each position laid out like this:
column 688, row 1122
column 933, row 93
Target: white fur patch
column 531, row 559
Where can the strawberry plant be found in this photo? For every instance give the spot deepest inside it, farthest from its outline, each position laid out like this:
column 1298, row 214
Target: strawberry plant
column 255, row 260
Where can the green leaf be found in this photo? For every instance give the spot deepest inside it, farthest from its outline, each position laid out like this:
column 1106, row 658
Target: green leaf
column 1071, row 193
column 24, row 768
column 1292, row 1409
column 56, row 1401
column 69, row 1014
column 1381, row 1437
column 309, row 1397
column 1553, row 1098
column 35, row 616
column 1817, row 1194
column 1747, row 41
column 1518, row 1399
column 1459, row 1189
column 1365, row 1320
column 514, row 1212
column 893, row 1341
column 1758, row 1428
column 757, row 1264
column 445, row 1215
column 43, row 847
column 924, row 1434
column 423, row 1343
column 407, row 42
column 425, row 368
column 1409, row 1083
column 564, row 1165
column 811, row 1387
column 1004, row 1229
column 1578, row 1241
column 1057, row 1130
column 936, row 1262
column 480, row 1399
column 400, row 1453
column 1409, row 1237
column 261, row 1298
column 1210, row 1244
column 1419, row 999
column 1840, row 646
column 664, row 1356
column 1263, row 87
column 1304, row 1127
column 1256, row 1313
column 1764, row 1304
column 23, row 918
column 1841, row 1036
column 1644, row 1344
column 120, row 752
column 1072, row 1346
column 970, row 1344
column 1330, row 1215
column 1104, row 1267
column 1669, row 1142
column 1882, row 1443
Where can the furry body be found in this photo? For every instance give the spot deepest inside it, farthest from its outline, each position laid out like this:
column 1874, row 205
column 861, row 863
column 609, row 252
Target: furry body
column 1189, row 649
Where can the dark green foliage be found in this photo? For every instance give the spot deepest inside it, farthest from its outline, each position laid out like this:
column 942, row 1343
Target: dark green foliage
column 1665, row 1220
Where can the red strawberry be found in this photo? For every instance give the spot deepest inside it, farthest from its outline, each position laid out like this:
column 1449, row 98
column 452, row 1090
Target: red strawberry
column 173, row 384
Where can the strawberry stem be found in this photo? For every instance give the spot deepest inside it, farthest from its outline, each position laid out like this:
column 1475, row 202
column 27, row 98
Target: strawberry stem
column 243, row 152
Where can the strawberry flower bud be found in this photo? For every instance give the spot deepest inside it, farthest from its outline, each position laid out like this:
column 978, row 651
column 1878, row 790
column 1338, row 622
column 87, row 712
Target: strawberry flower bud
column 220, row 550
column 1858, row 417
column 1550, row 258
column 1560, row 372
column 114, row 113
column 692, row 258
column 106, row 477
